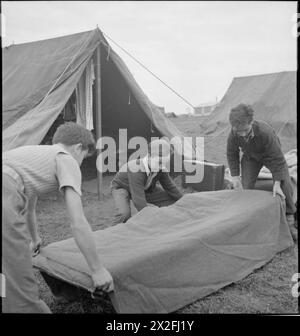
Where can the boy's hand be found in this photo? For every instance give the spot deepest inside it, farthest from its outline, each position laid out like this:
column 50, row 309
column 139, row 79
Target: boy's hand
column 277, row 190
column 35, row 246
column 102, row 280
column 237, row 183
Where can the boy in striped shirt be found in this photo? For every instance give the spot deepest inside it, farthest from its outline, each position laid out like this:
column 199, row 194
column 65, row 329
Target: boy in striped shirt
column 28, row 172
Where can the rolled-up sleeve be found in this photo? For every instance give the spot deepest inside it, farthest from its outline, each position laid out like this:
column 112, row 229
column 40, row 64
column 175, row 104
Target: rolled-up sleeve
column 68, row 172
column 233, row 155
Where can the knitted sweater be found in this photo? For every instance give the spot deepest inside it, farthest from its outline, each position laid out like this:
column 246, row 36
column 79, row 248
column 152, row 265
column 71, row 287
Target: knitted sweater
column 135, row 182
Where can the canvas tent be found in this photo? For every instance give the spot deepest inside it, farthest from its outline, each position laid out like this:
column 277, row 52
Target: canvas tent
column 273, row 97
column 40, row 77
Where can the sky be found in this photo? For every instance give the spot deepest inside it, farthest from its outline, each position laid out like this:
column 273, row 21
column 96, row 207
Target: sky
column 196, row 47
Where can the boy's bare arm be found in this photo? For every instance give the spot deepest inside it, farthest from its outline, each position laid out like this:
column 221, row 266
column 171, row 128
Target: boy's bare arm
column 31, row 222
column 85, row 240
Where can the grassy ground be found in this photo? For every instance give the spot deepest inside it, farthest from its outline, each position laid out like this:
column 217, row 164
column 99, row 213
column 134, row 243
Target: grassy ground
column 267, row 290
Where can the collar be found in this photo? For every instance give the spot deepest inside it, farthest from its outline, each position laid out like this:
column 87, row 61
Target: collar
column 256, row 128
column 250, row 135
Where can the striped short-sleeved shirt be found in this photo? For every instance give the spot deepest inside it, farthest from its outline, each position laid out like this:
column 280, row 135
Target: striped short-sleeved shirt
column 44, row 169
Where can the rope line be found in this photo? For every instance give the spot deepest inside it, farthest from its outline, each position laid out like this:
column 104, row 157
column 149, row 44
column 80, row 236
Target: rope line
column 142, row 65
column 71, row 61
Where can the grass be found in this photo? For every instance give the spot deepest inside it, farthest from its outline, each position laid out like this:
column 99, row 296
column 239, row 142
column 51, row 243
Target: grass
column 266, row 290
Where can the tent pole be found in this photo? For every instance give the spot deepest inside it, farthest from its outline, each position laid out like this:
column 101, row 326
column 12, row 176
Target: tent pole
column 98, row 117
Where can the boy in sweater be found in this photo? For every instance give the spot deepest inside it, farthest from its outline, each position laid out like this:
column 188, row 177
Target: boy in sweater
column 137, row 181
column 260, row 147
column 28, row 172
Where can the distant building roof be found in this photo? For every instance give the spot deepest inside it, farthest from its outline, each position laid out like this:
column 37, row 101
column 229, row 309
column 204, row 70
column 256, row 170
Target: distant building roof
column 205, row 109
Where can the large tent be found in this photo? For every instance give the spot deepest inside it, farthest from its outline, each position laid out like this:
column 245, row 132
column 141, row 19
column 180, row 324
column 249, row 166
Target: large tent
column 40, row 77
column 273, row 97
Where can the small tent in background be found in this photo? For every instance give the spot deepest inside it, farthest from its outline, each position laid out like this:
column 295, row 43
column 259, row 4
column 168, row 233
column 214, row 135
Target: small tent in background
column 43, row 80
column 273, row 97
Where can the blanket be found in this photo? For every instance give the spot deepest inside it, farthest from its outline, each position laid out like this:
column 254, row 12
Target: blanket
column 165, row 258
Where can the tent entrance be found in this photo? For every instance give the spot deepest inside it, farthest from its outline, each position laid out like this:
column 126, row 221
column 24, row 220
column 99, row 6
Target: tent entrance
column 119, row 109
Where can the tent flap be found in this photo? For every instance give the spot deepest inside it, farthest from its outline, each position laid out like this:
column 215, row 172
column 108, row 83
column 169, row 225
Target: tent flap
column 31, row 128
column 38, row 79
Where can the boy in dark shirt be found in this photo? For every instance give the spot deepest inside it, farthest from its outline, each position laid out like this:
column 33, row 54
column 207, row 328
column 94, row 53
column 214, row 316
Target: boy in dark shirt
column 140, row 184
column 260, row 147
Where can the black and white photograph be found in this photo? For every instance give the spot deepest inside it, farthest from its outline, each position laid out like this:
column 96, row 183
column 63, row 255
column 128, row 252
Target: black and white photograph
column 149, row 160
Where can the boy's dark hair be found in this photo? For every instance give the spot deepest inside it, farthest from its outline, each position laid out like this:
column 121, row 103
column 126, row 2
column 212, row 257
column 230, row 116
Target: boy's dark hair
column 71, row 133
column 241, row 115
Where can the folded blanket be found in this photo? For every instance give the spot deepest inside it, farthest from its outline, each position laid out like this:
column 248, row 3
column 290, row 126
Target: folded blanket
column 165, row 258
